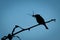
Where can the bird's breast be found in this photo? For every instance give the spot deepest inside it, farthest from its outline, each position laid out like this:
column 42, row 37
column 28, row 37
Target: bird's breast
column 39, row 20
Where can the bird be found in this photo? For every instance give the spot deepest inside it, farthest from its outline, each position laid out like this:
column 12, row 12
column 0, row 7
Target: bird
column 40, row 20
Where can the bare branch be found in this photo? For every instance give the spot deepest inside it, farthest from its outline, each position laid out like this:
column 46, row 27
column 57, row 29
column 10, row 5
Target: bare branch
column 51, row 20
column 25, row 29
column 10, row 36
column 18, row 37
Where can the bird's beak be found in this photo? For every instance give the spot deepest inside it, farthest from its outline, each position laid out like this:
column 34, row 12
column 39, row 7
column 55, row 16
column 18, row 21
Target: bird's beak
column 33, row 15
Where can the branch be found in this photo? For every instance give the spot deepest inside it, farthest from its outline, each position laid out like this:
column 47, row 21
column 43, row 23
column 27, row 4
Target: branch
column 18, row 37
column 16, row 26
column 51, row 20
column 10, row 36
column 25, row 29
column 33, row 26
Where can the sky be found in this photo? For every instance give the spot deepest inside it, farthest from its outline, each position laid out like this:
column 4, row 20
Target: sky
column 18, row 12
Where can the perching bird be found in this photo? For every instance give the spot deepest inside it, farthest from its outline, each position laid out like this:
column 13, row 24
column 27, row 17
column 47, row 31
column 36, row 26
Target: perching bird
column 40, row 20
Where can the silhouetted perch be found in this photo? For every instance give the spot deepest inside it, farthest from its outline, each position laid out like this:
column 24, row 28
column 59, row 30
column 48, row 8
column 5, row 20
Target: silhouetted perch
column 10, row 36
column 33, row 26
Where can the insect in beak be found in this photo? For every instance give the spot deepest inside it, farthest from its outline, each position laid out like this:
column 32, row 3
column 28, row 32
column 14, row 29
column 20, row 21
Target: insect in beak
column 32, row 15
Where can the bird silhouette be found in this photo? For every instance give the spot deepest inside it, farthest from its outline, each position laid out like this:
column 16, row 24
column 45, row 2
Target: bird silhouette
column 40, row 20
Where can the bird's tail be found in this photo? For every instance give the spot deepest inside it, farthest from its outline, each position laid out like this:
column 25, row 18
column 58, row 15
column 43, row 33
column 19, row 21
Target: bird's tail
column 45, row 26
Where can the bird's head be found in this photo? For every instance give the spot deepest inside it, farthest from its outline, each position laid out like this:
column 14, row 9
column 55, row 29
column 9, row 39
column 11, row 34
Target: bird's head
column 36, row 15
